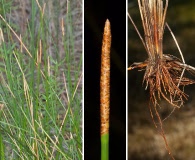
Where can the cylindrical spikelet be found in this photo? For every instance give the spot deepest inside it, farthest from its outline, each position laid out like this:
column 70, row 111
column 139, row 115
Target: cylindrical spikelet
column 105, row 79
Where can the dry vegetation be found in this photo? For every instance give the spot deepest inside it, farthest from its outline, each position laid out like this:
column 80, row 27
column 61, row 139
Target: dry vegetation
column 164, row 78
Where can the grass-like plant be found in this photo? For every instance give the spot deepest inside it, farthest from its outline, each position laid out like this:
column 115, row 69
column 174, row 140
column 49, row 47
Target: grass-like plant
column 40, row 95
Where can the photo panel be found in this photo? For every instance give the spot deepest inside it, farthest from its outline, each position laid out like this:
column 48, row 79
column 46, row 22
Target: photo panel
column 161, row 79
column 95, row 15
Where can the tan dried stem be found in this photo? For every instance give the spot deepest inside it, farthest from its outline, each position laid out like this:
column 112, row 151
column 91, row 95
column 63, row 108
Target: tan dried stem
column 105, row 79
column 164, row 73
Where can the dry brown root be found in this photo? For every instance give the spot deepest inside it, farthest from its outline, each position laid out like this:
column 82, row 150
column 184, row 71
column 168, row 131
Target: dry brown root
column 164, row 77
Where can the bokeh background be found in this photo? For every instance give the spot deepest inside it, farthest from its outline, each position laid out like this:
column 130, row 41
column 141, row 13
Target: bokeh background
column 144, row 141
column 95, row 14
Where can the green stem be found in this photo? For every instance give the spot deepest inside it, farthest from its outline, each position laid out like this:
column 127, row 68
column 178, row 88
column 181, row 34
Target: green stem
column 2, row 151
column 105, row 147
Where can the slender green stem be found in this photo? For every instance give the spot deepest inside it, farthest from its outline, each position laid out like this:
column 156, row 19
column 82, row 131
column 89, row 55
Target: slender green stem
column 105, row 147
column 2, row 151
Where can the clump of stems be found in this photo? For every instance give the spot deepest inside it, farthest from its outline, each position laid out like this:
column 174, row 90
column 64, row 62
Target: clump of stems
column 105, row 91
column 164, row 73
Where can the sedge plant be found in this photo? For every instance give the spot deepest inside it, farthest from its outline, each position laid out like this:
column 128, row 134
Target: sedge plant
column 40, row 90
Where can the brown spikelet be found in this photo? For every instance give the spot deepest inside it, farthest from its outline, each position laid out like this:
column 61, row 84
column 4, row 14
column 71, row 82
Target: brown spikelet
column 105, row 79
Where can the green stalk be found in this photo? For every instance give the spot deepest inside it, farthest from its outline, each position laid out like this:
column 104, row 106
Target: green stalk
column 105, row 146
column 2, row 151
